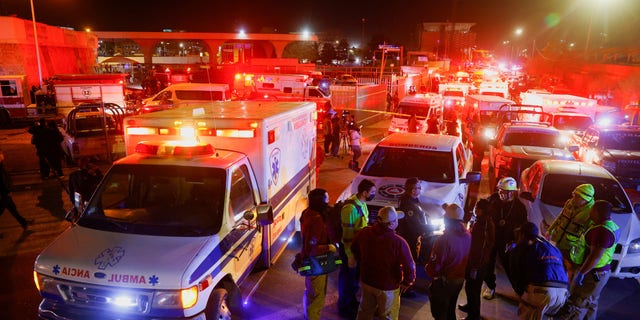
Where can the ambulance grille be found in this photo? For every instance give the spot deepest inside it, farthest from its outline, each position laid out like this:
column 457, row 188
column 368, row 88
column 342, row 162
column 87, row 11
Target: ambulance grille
column 106, row 298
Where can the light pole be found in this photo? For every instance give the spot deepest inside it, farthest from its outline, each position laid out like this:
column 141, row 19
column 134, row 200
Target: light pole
column 362, row 35
column 35, row 36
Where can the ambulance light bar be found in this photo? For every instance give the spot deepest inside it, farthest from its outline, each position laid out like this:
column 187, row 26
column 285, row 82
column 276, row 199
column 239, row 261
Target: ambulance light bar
column 192, row 132
column 174, row 148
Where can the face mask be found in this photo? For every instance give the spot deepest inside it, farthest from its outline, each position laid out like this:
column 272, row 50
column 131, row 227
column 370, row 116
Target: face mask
column 505, row 196
column 370, row 197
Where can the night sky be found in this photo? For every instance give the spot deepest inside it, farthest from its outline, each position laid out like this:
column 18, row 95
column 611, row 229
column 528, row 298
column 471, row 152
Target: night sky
column 395, row 21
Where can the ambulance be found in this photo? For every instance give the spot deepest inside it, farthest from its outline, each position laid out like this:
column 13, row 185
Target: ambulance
column 553, row 103
column 422, row 105
column 182, row 227
column 72, row 90
column 15, row 102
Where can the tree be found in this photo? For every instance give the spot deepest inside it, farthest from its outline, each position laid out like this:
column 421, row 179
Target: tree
column 342, row 50
column 327, row 53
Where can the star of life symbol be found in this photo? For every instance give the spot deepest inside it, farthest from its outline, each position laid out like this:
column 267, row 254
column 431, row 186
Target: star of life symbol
column 274, row 160
column 109, row 257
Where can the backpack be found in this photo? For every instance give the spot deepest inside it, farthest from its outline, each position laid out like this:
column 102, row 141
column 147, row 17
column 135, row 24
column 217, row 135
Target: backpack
column 334, row 220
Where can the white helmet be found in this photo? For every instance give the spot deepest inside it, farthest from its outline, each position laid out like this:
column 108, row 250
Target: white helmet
column 508, row 184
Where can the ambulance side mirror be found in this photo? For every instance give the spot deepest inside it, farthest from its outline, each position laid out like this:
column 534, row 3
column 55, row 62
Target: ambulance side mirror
column 264, row 214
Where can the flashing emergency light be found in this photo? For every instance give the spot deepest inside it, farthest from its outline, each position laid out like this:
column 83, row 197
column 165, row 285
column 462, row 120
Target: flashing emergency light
column 187, row 132
column 126, row 301
column 141, row 131
column 175, row 148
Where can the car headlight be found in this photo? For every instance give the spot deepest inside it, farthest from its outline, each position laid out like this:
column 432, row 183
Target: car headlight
column 185, row 298
column 609, row 165
column 634, row 246
column 489, row 133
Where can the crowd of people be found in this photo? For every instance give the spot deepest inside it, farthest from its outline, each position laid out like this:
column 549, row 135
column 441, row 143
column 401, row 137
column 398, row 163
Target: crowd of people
column 556, row 275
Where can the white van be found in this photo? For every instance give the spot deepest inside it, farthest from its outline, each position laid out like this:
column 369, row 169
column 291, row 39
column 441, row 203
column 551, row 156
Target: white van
column 422, row 105
column 182, row 93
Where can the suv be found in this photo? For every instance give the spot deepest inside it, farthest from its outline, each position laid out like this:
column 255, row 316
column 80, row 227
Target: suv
column 441, row 163
column 547, row 184
column 616, row 148
column 346, row 80
column 517, row 146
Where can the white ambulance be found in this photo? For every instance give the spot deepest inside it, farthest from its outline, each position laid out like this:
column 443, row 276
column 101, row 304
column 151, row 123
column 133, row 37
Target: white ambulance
column 175, row 228
column 552, row 103
column 422, row 105
column 73, row 90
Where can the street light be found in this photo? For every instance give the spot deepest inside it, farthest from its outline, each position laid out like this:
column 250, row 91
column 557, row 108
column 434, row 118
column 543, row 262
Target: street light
column 35, row 36
column 595, row 4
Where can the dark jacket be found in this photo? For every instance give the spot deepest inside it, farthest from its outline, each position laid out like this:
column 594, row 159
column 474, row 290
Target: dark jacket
column 414, row 223
column 84, row 182
column 385, row 258
column 450, row 253
column 539, row 263
column 514, row 215
column 482, row 242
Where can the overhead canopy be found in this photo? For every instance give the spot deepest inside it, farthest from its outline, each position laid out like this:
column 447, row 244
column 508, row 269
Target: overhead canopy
column 119, row 60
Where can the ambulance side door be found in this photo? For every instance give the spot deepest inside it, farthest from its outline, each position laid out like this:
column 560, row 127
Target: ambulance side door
column 243, row 198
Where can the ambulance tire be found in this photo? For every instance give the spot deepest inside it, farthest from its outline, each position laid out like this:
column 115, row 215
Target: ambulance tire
column 217, row 308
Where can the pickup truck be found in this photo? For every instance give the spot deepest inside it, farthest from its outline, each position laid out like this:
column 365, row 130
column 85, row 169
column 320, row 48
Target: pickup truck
column 93, row 130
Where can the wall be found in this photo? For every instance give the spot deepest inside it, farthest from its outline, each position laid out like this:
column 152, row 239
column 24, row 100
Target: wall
column 62, row 51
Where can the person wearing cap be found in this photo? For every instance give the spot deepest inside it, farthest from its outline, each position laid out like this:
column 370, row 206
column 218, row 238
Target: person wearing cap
column 593, row 255
column 482, row 241
column 447, row 264
column 386, row 266
column 537, row 274
column 572, row 221
column 508, row 213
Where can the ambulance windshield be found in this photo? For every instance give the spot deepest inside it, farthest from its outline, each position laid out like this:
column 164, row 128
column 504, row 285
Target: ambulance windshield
column 158, row 200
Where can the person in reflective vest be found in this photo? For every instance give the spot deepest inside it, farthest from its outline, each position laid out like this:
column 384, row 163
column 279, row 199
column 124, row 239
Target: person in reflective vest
column 593, row 254
column 572, row 221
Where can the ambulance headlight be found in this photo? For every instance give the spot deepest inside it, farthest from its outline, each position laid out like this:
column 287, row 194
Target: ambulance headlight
column 185, row 298
column 634, row 246
column 45, row 285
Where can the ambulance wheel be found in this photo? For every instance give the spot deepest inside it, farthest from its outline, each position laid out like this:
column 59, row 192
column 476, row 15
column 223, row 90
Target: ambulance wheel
column 217, row 307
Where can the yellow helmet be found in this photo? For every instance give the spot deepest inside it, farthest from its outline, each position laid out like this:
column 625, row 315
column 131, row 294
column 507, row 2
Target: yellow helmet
column 508, row 184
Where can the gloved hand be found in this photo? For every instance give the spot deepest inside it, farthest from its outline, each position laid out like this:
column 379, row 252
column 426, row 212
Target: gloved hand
column 578, row 278
column 352, row 263
column 332, row 248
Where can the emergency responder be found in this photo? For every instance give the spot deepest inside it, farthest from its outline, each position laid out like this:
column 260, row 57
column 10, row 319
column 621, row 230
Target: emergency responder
column 537, row 274
column 508, row 213
column 354, row 217
column 593, row 255
column 572, row 221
